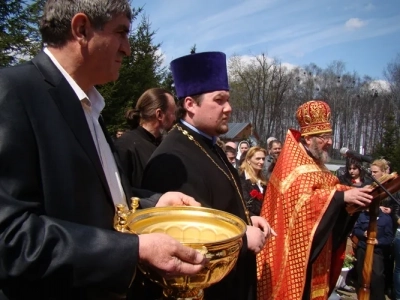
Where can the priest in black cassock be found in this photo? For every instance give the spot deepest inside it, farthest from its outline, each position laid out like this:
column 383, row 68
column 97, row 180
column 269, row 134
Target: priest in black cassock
column 153, row 114
column 188, row 160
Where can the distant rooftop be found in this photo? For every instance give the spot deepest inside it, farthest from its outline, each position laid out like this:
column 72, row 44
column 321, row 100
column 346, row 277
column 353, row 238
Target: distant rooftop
column 234, row 130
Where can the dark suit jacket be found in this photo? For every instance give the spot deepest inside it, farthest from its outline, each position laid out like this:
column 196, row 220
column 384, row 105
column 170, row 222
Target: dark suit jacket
column 56, row 213
column 253, row 205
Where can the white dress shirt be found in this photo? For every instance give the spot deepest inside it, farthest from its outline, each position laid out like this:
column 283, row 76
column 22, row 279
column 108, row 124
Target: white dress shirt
column 92, row 105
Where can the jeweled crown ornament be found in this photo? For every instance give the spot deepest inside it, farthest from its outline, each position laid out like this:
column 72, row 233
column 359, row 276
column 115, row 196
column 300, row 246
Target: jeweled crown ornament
column 314, row 117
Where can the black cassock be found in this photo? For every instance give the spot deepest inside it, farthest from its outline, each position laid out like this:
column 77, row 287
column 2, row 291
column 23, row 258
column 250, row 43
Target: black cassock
column 178, row 164
column 135, row 148
column 335, row 221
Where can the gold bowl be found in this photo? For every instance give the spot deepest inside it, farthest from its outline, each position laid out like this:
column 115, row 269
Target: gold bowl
column 216, row 234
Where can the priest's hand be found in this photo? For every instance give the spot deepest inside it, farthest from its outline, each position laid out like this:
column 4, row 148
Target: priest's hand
column 176, row 198
column 255, row 239
column 358, row 196
column 261, row 223
column 168, row 256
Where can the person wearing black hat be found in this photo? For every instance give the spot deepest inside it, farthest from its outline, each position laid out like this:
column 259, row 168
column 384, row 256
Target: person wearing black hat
column 189, row 161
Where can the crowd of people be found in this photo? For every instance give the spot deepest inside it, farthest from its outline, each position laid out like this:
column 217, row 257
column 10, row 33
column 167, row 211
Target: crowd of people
column 62, row 174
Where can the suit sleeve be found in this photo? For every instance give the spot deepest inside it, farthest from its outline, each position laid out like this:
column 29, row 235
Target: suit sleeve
column 35, row 247
column 147, row 198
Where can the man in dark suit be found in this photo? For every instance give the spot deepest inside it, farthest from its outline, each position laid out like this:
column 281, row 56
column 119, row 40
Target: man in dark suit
column 59, row 180
column 274, row 149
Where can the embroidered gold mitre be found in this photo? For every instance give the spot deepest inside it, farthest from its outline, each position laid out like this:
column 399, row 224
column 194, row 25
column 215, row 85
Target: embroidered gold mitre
column 314, row 117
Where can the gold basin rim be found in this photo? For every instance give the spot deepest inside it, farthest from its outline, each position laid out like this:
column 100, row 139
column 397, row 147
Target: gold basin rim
column 176, row 211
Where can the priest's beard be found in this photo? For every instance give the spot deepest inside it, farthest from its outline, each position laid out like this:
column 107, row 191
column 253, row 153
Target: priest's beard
column 320, row 155
column 163, row 133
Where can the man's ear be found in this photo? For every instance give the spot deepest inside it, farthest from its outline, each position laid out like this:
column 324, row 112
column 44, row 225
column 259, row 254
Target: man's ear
column 189, row 104
column 80, row 26
column 159, row 114
column 308, row 139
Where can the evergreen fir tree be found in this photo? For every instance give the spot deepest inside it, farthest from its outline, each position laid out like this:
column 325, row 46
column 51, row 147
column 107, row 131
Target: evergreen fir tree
column 13, row 31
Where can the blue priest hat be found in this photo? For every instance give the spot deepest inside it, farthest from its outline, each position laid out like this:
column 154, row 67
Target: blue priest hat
column 200, row 73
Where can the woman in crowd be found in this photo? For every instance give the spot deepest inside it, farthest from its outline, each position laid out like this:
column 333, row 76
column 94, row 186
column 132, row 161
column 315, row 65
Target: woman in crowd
column 242, row 149
column 252, row 180
column 354, row 174
column 380, row 167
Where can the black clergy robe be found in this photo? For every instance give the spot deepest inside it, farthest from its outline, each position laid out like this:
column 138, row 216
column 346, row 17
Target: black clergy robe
column 336, row 221
column 135, row 148
column 178, row 164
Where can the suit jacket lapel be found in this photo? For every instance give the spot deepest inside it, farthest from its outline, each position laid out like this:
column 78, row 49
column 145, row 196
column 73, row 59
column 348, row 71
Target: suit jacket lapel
column 71, row 109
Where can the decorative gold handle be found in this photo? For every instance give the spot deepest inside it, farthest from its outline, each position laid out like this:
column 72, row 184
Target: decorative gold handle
column 123, row 215
column 210, row 255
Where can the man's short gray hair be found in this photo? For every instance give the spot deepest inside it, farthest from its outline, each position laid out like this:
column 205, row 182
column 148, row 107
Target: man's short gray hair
column 55, row 25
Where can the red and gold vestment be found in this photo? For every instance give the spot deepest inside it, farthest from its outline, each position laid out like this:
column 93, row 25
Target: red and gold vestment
column 298, row 195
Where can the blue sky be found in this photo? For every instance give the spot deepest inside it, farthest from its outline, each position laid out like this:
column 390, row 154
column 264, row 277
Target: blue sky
column 365, row 35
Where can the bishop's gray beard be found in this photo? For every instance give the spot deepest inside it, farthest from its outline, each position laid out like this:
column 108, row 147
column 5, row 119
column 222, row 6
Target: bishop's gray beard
column 320, row 155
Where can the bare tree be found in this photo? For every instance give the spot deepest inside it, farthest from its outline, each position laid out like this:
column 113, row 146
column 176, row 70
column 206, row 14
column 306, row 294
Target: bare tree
column 267, row 94
column 258, row 88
